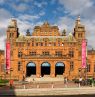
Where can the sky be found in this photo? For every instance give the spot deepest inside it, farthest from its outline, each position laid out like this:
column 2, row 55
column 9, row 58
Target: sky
column 62, row 13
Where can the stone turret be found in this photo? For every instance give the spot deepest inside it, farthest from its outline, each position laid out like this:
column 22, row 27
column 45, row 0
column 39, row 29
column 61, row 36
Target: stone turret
column 13, row 23
column 12, row 30
column 79, row 30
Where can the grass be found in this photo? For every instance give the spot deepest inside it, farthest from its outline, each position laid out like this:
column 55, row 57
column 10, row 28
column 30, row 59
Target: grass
column 3, row 82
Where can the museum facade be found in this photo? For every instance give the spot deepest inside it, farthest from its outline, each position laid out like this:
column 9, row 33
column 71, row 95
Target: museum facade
column 48, row 52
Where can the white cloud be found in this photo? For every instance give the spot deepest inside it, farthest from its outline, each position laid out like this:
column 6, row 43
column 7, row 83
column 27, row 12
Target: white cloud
column 41, row 4
column 2, row 1
column 42, row 13
column 86, row 9
column 20, row 7
column 28, row 17
column 4, row 18
column 53, row 1
column 2, row 42
column 24, row 25
column 76, row 7
column 65, row 23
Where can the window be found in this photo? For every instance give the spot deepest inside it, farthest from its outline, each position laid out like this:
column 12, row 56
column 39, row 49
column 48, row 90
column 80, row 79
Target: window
column 28, row 44
column 32, row 43
column 54, row 44
column 80, row 35
column 10, row 34
column 71, row 53
column 45, row 43
column 94, row 68
column 59, row 44
column 36, row 44
column 19, row 44
column 11, row 53
column 32, row 53
column 49, row 44
column 71, row 66
column 19, row 66
column 58, row 53
column 41, row 44
column 46, row 53
column 16, row 44
column 19, row 54
column 79, row 53
column 88, row 68
column 19, row 63
column 2, row 67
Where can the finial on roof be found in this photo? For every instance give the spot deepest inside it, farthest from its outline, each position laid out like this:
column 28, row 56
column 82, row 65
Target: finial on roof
column 78, row 21
column 64, row 33
column 13, row 22
column 46, row 23
column 28, row 33
column 78, row 18
column 92, row 49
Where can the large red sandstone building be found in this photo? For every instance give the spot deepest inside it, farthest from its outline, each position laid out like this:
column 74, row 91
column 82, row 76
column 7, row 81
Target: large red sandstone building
column 47, row 51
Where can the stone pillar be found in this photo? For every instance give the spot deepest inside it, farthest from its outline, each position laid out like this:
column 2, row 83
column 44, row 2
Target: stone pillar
column 66, row 73
column 24, row 67
column 52, row 70
column 38, row 70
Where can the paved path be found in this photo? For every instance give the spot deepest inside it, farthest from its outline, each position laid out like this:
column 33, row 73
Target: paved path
column 48, row 91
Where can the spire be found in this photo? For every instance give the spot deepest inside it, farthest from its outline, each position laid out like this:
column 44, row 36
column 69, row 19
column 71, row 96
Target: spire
column 78, row 21
column 64, row 33
column 13, row 22
column 46, row 24
column 28, row 33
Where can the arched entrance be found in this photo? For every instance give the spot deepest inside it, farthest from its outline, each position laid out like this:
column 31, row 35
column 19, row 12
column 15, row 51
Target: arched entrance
column 59, row 68
column 45, row 69
column 30, row 69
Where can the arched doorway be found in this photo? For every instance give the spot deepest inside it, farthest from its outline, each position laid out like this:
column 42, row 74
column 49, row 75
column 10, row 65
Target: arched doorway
column 45, row 69
column 59, row 68
column 30, row 69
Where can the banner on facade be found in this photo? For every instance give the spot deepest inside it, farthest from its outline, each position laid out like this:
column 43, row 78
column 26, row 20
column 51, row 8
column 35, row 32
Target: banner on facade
column 83, row 53
column 7, row 56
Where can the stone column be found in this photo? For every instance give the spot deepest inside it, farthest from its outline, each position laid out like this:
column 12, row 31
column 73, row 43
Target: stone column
column 38, row 69
column 24, row 67
column 52, row 69
column 66, row 73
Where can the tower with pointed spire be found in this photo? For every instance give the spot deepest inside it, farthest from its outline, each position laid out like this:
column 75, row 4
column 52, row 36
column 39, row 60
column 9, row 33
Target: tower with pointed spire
column 79, row 30
column 12, row 31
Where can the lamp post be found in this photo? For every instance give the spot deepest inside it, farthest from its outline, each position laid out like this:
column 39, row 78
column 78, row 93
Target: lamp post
column 86, row 72
column 79, row 72
column 11, row 72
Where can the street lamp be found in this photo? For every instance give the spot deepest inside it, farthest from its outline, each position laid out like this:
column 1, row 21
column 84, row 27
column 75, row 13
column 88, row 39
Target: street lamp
column 79, row 72
column 11, row 69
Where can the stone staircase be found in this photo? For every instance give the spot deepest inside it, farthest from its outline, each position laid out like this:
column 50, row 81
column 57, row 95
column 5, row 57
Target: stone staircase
column 46, row 78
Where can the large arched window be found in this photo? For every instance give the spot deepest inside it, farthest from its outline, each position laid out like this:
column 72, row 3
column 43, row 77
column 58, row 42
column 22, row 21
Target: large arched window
column 45, row 69
column 59, row 68
column 31, row 69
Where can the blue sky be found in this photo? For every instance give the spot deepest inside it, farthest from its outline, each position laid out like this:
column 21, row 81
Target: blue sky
column 57, row 12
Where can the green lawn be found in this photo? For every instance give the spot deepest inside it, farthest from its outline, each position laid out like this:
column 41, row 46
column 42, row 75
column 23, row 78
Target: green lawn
column 3, row 82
